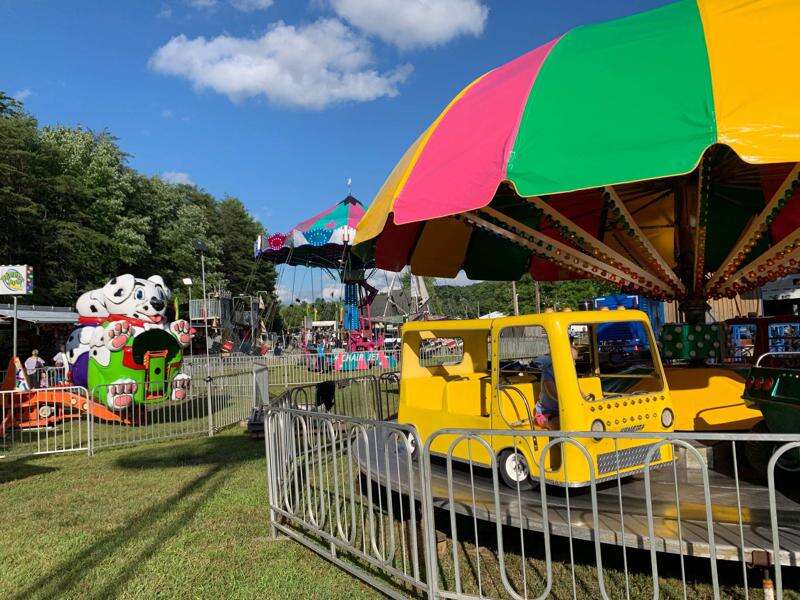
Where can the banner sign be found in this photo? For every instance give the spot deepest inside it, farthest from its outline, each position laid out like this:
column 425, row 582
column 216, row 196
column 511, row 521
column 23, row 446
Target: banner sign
column 16, row 280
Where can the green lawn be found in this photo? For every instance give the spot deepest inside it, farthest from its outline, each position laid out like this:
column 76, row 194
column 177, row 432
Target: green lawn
column 181, row 519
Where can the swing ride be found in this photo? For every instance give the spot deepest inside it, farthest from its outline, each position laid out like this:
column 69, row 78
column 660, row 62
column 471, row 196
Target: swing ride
column 323, row 243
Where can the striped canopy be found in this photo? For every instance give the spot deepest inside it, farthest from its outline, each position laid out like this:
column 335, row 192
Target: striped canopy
column 658, row 152
column 322, row 241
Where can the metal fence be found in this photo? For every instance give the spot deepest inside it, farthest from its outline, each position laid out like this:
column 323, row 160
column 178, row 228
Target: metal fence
column 68, row 419
column 287, row 370
column 368, row 496
column 48, row 421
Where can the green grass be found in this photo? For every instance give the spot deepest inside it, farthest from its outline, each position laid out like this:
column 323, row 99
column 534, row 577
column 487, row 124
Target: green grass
column 181, row 519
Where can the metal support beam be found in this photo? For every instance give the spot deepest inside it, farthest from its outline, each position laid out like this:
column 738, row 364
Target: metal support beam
column 658, row 264
column 559, row 253
column 595, row 247
column 757, row 227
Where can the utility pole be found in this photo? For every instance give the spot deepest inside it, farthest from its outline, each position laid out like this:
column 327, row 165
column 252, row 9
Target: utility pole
column 515, row 298
column 538, row 297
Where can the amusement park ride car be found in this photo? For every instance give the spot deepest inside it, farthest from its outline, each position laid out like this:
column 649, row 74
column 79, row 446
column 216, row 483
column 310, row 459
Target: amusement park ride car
column 496, row 383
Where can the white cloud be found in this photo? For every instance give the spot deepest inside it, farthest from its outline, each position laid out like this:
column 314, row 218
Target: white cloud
column 23, row 94
column 414, row 23
column 251, row 5
column 167, row 114
column 165, row 12
column 177, row 177
column 310, row 66
column 203, row 3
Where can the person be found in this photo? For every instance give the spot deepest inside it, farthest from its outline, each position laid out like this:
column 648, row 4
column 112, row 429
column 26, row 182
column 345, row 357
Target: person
column 547, row 405
column 61, row 363
column 34, row 367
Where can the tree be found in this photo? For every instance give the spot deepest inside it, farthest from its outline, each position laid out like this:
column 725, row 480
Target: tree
column 74, row 210
column 238, row 230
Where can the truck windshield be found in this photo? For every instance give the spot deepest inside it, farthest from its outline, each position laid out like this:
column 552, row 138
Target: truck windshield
column 616, row 357
column 522, row 349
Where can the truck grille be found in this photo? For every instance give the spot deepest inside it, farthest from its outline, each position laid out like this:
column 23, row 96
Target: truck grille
column 630, row 457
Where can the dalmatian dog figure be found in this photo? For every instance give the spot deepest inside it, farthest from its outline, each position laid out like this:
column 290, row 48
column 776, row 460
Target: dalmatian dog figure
column 109, row 316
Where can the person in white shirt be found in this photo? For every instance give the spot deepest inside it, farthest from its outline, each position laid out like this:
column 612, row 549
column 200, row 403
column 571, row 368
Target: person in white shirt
column 34, row 367
column 61, row 363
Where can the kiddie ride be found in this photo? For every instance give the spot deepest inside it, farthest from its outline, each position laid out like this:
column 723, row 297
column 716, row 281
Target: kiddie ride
column 499, row 386
column 123, row 352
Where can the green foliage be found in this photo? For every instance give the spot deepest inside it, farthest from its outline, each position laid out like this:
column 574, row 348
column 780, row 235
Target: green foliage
column 292, row 315
column 76, row 212
column 489, row 296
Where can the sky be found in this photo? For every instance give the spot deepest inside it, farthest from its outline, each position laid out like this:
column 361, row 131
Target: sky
column 275, row 102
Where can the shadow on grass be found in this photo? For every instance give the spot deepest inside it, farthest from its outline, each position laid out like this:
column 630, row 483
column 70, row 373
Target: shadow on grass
column 21, row 468
column 217, row 450
column 160, row 521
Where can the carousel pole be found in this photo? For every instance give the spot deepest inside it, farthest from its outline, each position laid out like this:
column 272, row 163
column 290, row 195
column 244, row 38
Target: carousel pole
column 693, row 307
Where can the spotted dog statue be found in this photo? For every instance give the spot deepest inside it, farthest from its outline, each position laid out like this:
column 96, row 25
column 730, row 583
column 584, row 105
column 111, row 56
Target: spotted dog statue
column 124, row 350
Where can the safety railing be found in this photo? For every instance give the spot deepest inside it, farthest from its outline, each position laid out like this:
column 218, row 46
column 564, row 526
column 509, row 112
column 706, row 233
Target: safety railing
column 45, row 377
column 43, row 421
column 287, row 370
column 325, row 491
column 65, row 419
column 524, row 514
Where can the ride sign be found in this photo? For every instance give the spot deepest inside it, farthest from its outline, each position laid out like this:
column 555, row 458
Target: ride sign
column 16, row 280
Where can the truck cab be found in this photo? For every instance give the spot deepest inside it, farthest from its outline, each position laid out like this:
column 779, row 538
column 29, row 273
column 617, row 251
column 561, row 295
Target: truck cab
column 504, row 374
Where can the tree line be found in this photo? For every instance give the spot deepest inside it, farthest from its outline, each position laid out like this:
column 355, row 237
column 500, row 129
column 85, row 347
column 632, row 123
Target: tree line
column 74, row 210
column 489, row 296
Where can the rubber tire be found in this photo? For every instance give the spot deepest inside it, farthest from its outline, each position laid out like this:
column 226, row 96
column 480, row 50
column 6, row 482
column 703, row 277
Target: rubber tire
column 510, row 482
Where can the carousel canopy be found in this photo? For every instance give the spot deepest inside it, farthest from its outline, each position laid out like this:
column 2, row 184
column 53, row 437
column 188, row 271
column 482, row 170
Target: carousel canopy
column 322, row 241
column 657, row 151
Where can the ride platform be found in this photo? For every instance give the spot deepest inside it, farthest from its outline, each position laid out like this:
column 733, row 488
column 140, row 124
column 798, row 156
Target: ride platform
column 741, row 529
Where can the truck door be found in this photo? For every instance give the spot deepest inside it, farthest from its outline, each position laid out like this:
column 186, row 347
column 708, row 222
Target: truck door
column 517, row 356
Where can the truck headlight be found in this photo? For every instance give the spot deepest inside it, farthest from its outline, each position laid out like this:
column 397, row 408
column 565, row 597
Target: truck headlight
column 598, row 427
column 667, row 418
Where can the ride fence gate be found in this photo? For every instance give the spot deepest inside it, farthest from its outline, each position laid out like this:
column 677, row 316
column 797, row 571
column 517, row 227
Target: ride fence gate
column 364, row 493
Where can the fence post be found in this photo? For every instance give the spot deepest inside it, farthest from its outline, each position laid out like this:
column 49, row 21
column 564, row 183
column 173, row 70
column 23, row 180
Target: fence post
column 89, row 425
column 208, row 406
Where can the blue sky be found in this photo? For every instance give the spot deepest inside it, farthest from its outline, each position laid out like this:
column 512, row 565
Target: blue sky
column 276, row 102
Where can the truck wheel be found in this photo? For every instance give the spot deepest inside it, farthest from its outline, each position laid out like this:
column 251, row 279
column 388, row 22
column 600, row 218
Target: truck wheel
column 514, row 469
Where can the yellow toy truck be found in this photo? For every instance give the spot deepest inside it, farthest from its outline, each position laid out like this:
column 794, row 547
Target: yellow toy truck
column 555, row 370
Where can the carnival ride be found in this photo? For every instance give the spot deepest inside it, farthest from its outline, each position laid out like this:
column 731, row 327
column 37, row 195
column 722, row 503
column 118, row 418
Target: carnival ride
column 123, row 357
column 502, row 386
column 677, row 181
column 324, row 242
